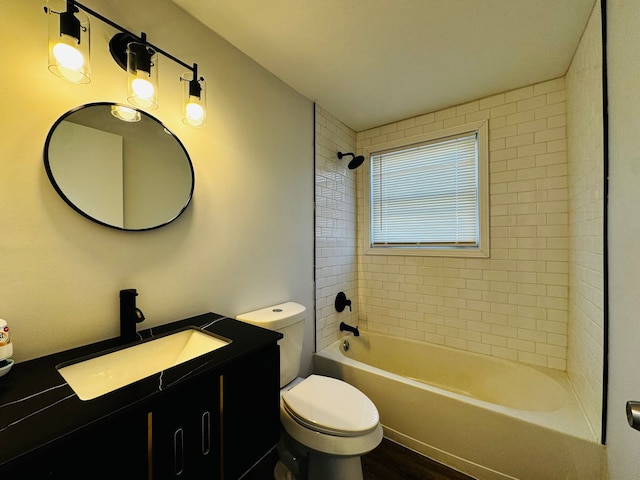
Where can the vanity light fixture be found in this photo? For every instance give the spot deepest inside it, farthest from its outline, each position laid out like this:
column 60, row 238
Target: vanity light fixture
column 68, row 41
column 193, row 99
column 140, row 60
column 132, row 53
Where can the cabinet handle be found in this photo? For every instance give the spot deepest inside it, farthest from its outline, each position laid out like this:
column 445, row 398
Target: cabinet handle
column 178, row 451
column 206, row 433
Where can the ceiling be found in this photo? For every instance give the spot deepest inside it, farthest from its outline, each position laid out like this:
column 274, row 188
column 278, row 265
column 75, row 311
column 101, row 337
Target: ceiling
column 372, row 62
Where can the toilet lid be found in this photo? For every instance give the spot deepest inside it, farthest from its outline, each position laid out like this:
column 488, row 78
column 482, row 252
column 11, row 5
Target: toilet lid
column 328, row 405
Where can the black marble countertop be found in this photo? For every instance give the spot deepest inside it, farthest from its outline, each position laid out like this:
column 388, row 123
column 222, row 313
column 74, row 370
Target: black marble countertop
column 37, row 406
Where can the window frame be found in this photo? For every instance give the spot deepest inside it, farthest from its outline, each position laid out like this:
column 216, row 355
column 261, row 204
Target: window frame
column 483, row 247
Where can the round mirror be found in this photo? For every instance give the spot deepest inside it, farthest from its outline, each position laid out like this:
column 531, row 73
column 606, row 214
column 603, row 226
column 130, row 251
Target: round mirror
column 119, row 166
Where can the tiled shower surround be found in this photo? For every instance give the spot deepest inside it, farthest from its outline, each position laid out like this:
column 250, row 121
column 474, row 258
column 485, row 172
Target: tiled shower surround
column 335, row 199
column 586, row 221
column 538, row 299
column 514, row 304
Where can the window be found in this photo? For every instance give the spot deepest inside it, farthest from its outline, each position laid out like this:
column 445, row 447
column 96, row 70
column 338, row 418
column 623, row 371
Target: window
column 430, row 196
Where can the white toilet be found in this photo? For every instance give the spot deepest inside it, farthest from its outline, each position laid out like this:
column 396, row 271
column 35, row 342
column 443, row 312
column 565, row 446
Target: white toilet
column 327, row 423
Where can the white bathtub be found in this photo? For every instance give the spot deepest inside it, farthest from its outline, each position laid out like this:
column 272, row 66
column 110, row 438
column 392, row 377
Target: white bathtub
column 490, row 418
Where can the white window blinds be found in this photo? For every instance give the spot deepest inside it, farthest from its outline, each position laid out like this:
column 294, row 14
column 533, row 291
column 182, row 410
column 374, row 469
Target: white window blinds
column 426, row 195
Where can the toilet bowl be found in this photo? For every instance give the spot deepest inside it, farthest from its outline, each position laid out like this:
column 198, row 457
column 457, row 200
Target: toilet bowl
column 327, row 424
column 330, row 416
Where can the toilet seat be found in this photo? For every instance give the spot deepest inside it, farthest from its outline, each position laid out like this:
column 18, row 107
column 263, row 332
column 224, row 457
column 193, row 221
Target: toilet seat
column 330, row 406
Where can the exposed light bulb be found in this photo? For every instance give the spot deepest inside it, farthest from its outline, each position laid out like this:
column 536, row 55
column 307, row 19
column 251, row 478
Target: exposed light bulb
column 142, row 68
column 69, row 61
column 69, row 50
column 194, row 114
column 194, row 99
column 143, row 92
column 68, row 56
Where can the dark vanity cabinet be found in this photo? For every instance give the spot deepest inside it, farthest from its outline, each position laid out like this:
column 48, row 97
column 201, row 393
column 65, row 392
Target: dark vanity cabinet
column 251, row 411
column 220, row 425
column 112, row 449
column 215, row 421
column 184, row 431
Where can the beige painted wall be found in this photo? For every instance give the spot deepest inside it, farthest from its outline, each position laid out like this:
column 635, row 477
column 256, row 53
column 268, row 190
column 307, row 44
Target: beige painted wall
column 245, row 242
column 623, row 37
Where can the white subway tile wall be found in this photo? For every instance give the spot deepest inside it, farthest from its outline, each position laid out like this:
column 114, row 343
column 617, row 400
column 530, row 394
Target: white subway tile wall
column 539, row 298
column 513, row 305
column 336, row 263
column 586, row 217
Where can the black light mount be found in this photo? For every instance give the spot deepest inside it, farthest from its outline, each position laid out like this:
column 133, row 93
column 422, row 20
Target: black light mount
column 69, row 23
column 195, row 88
column 118, row 43
column 118, row 48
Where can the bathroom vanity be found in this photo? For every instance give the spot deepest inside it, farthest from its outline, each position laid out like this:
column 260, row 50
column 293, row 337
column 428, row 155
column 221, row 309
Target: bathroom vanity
column 213, row 416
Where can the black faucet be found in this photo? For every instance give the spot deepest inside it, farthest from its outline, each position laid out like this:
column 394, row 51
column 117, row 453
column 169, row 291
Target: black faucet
column 129, row 315
column 348, row 328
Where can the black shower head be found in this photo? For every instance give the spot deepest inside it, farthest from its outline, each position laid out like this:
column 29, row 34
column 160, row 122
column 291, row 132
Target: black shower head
column 355, row 161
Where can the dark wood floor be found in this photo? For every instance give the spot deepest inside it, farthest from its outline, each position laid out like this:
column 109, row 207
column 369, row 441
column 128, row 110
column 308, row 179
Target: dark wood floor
column 390, row 461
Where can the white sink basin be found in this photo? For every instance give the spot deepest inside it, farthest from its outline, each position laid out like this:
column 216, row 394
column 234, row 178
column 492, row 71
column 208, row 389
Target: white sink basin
column 99, row 375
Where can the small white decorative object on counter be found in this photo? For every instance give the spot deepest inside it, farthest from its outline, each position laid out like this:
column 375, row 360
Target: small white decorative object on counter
column 6, row 348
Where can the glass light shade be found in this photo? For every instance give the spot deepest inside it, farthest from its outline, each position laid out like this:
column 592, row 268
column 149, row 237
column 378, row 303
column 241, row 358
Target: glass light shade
column 125, row 114
column 142, row 73
column 69, row 44
column 194, row 100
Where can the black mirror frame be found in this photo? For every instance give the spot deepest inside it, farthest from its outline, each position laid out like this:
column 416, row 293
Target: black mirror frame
column 78, row 209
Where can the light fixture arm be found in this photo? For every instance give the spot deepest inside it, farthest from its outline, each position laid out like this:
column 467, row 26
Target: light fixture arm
column 132, row 37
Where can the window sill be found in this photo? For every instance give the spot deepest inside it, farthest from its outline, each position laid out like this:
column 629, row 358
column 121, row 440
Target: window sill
column 460, row 252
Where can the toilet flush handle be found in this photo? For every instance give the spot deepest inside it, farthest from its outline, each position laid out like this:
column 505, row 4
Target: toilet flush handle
column 633, row 414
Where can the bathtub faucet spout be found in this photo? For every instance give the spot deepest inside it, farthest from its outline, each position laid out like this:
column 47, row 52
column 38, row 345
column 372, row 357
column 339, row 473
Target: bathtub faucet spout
column 348, row 328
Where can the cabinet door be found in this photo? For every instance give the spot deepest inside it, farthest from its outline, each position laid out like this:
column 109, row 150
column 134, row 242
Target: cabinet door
column 185, row 432
column 116, row 449
column 251, row 410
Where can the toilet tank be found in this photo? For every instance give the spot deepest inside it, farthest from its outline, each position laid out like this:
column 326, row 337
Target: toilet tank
column 288, row 319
